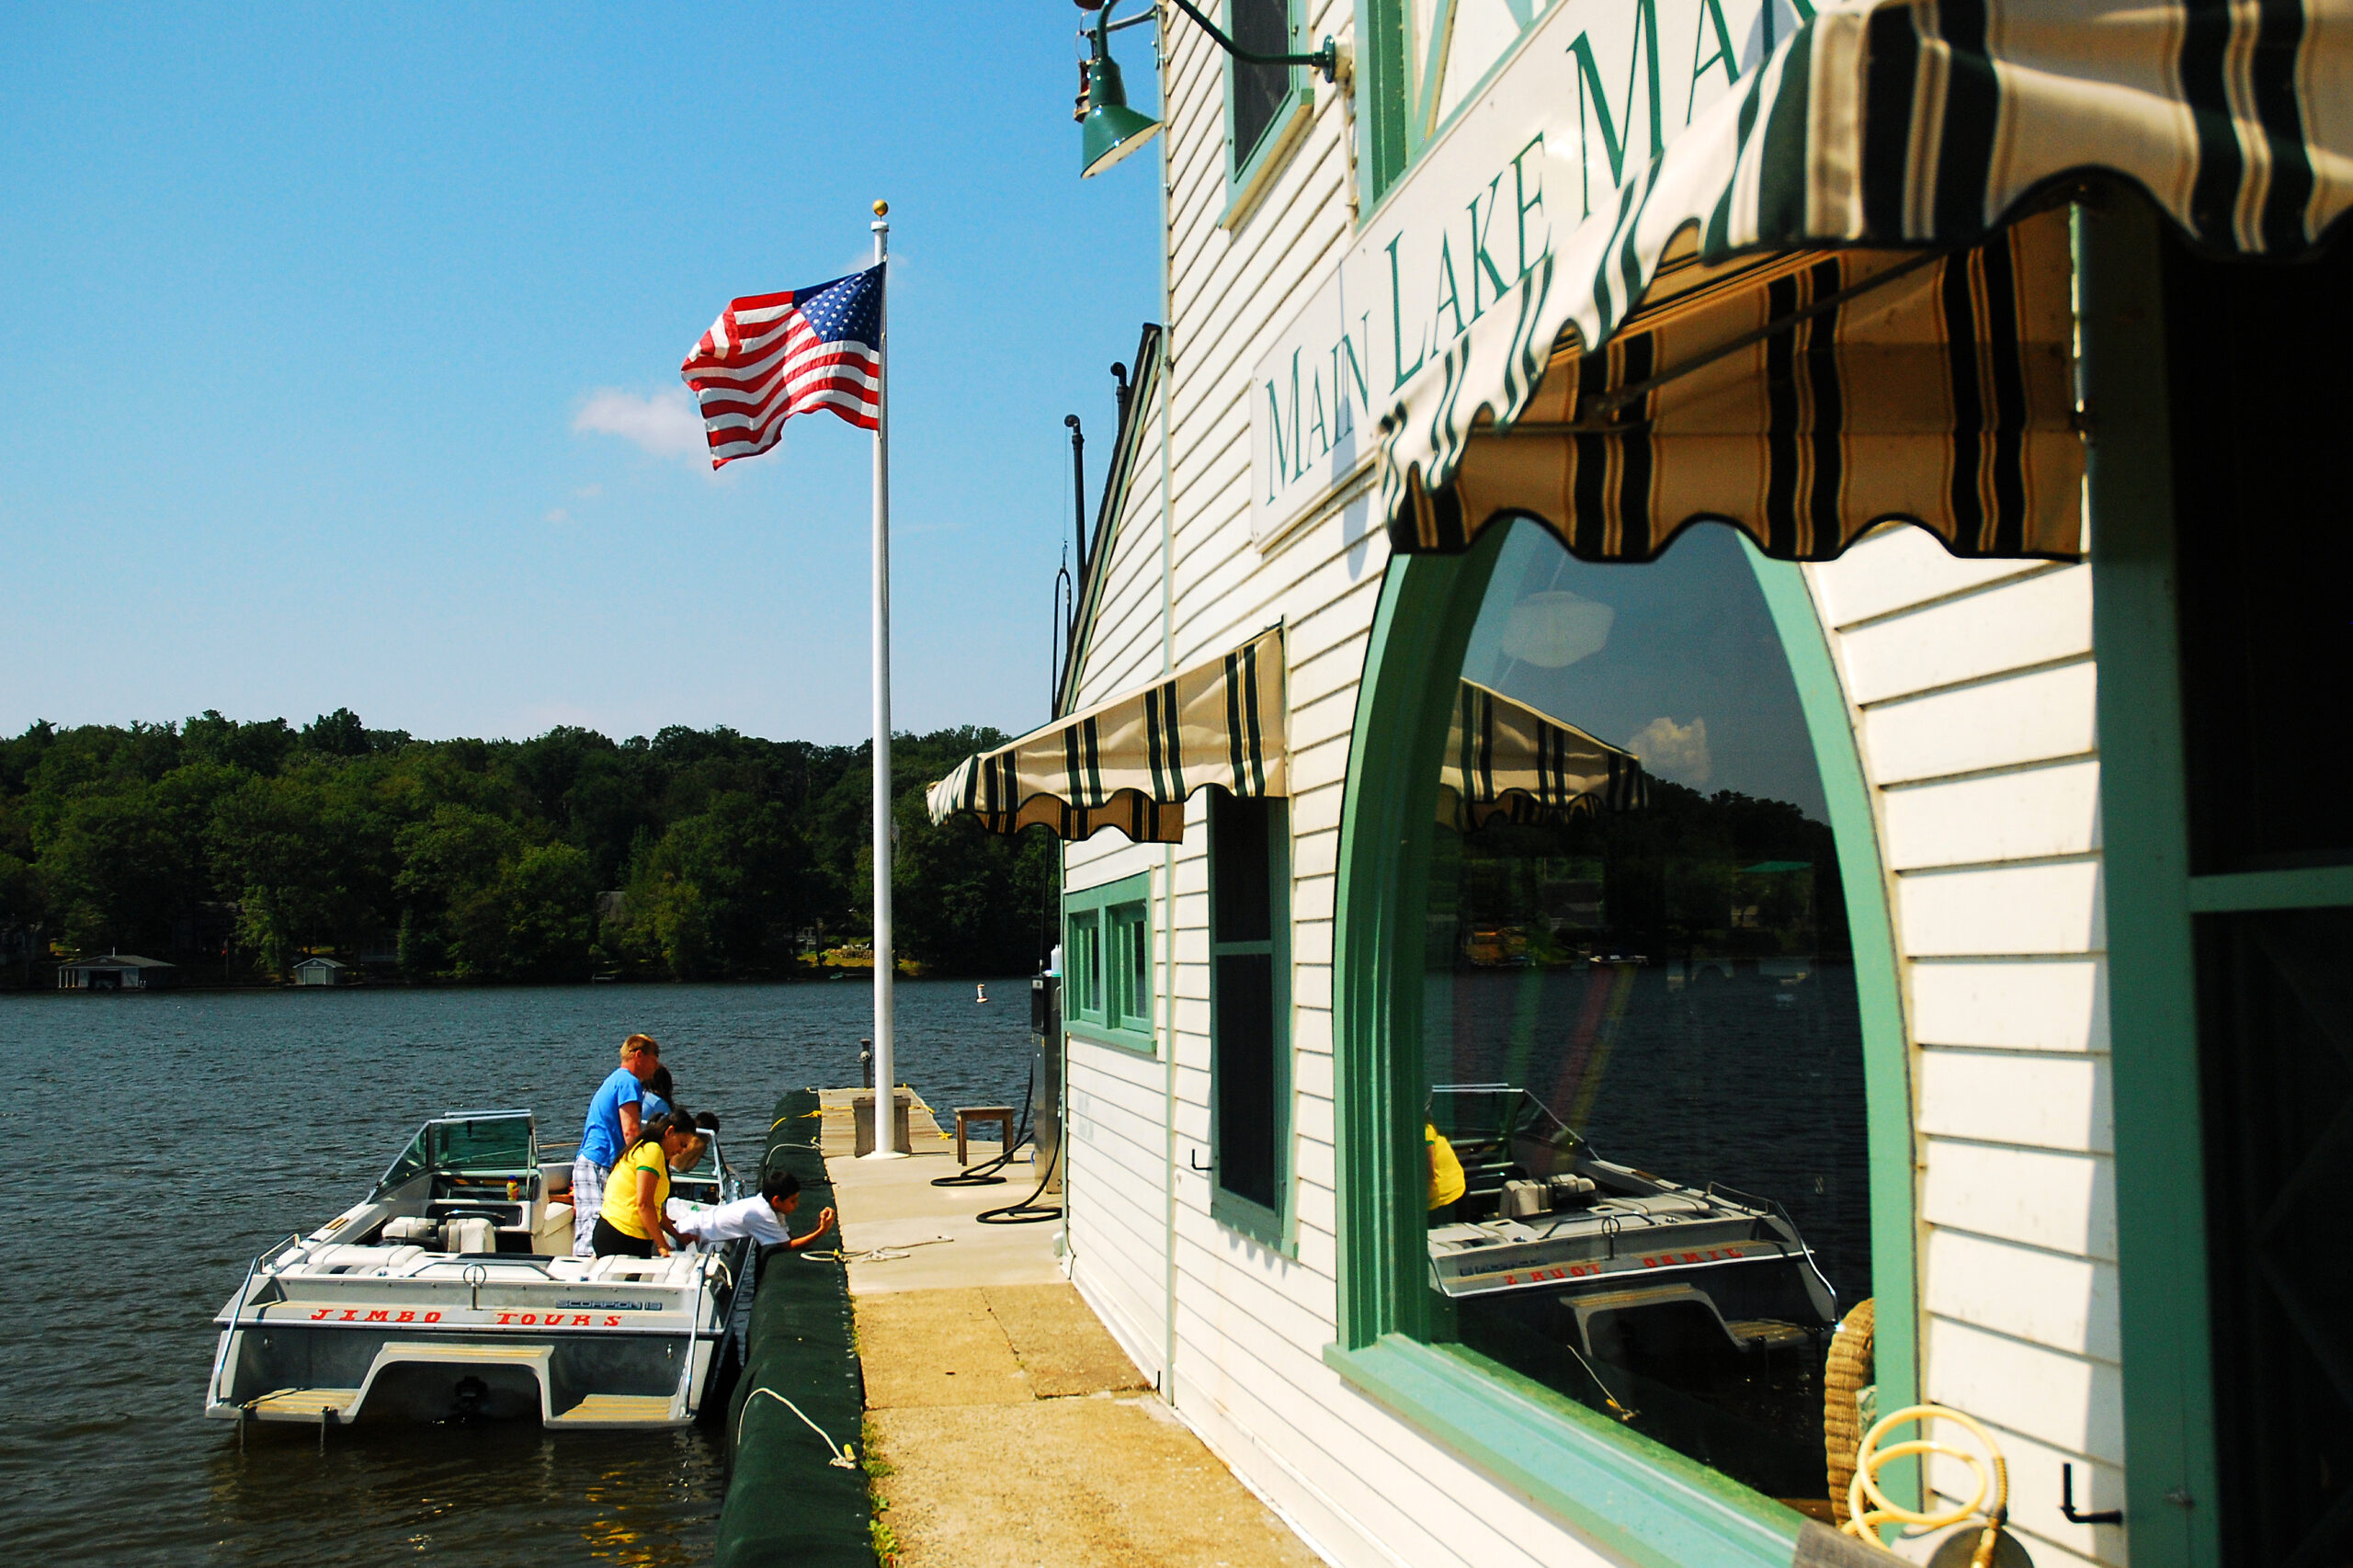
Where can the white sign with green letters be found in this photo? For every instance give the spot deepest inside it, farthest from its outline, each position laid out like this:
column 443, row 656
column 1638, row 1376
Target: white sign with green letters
column 1594, row 89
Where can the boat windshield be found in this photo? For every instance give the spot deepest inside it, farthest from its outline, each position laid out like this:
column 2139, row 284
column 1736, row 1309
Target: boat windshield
column 471, row 1143
column 1502, row 1125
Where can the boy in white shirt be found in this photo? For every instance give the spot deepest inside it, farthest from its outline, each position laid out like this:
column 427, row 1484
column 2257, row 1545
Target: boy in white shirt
column 762, row 1218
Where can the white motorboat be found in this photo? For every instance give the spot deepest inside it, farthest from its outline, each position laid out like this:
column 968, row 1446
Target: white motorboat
column 449, row 1292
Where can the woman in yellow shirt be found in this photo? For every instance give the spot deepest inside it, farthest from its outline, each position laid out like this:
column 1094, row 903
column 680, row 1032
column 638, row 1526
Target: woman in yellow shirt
column 632, row 1221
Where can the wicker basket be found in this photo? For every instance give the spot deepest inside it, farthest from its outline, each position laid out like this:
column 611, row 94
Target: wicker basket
column 1848, row 1373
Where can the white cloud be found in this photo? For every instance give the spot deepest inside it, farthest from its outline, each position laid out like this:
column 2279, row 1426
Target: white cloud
column 557, row 515
column 588, row 491
column 667, row 424
column 1675, row 751
column 1553, row 630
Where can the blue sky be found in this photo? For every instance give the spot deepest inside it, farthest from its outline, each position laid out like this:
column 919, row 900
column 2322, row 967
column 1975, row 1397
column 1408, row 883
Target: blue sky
column 339, row 346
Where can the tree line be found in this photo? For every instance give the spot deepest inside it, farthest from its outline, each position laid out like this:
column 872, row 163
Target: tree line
column 245, row 845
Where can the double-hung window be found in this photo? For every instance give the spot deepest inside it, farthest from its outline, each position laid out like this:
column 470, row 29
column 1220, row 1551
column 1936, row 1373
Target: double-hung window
column 1107, row 962
column 1249, row 1015
column 1266, row 106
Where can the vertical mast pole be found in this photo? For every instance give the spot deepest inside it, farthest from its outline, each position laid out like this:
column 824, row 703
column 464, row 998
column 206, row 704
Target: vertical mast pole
column 886, row 968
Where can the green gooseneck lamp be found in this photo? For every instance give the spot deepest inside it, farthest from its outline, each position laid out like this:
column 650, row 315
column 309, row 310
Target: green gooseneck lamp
column 1109, row 130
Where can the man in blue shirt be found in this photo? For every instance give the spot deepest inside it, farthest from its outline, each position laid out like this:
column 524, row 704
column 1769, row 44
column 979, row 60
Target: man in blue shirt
column 615, row 1114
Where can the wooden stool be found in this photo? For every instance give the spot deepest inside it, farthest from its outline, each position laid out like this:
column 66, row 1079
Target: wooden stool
column 966, row 1114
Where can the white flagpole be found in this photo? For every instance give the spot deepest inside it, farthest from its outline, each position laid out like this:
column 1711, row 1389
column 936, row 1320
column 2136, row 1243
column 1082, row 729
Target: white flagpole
column 886, row 967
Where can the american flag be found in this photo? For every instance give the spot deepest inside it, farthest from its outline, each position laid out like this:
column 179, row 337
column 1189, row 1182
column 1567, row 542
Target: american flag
column 769, row 356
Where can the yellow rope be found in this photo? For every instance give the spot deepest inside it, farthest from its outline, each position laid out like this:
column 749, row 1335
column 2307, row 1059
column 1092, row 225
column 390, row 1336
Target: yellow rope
column 1869, row 1507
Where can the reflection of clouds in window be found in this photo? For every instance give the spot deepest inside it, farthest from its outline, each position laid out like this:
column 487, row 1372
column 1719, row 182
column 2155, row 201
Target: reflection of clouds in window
column 1553, row 630
column 1675, row 751
column 1688, row 634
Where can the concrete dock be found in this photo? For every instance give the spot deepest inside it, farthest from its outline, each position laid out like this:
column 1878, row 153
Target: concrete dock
column 1010, row 1429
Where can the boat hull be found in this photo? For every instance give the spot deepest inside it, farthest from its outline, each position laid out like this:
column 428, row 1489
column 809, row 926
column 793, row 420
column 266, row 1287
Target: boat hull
column 343, row 1375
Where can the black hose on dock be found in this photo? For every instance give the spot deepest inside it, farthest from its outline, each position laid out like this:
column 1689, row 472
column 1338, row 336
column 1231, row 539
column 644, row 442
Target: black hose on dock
column 797, row 1490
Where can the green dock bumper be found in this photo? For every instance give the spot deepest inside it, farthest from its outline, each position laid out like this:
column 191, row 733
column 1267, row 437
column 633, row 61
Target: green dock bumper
column 790, row 1496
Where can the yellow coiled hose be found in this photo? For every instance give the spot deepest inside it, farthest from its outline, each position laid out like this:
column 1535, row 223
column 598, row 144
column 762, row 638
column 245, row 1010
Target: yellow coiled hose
column 1868, row 1508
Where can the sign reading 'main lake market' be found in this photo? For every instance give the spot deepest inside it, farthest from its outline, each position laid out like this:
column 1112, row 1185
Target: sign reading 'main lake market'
column 1594, row 91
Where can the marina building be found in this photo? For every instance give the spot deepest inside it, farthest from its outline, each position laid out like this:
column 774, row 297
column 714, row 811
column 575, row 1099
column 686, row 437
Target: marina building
column 1697, row 772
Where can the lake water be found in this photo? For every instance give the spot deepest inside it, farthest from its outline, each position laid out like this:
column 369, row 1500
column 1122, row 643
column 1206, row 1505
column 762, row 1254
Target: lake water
column 166, row 1139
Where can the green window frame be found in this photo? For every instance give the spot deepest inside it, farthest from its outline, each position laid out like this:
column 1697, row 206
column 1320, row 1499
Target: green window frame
column 1250, row 1074
column 1630, row 1494
column 1107, row 963
column 1249, row 170
column 2155, row 899
column 1392, row 127
column 1127, row 952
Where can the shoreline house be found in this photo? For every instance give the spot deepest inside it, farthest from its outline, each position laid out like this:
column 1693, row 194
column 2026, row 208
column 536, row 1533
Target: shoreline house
column 117, row 971
column 1718, row 622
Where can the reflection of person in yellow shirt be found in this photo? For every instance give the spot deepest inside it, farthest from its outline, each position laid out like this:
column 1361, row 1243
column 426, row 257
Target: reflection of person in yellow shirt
column 1446, row 1172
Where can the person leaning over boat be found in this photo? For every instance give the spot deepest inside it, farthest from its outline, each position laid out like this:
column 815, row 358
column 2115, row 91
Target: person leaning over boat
column 631, row 1221
column 762, row 1218
column 615, row 1118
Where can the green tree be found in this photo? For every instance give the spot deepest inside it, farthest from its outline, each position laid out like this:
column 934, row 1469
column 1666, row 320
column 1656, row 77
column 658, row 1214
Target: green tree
column 550, row 898
column 453, row 874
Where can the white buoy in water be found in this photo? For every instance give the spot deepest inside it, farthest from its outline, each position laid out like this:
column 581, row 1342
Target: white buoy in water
column 981, row 993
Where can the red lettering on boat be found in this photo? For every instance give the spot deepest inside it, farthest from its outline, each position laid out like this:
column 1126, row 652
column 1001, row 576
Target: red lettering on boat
column 433, row 1317
column 380, row 1317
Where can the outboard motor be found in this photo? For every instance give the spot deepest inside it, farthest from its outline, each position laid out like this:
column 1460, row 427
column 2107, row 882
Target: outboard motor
column 1046, row 1074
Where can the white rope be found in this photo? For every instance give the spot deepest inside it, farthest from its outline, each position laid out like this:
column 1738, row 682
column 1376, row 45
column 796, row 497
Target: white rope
column 844, row 1457
column 874, row 1254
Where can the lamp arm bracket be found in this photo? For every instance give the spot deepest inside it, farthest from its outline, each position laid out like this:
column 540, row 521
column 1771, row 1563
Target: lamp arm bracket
column 1325, row 59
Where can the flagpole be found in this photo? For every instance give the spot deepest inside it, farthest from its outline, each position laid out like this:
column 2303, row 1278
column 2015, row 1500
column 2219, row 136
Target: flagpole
column 886, row 968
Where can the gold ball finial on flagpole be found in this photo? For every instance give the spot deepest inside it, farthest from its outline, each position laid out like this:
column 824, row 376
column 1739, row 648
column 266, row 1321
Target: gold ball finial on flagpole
column 881, row 209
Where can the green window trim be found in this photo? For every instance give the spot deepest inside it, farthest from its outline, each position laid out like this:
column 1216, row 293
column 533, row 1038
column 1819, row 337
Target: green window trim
column 1392, row 128
column 1624, row 1491
column 2163, row 1317
column 1105, row 998
column 1275, row 1228
column 1248, row 175
column 1382, row 109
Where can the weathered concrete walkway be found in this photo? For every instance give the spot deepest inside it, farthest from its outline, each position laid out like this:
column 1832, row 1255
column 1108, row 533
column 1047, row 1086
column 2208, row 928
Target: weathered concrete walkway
column 1015, row 1431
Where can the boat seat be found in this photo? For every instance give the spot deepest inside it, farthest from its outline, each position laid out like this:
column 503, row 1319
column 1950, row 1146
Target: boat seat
column 615, row 1410
column 553, row 1236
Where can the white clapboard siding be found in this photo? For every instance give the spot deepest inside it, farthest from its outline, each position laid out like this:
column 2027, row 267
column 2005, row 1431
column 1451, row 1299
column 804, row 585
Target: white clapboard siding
column 2060, row 1201
column 1972, row 688
column 1972, row 691
column 2052, row 1005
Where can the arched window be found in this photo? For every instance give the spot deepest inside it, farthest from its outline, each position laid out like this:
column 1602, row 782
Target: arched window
column 1640, row 1041
column 1601, row 998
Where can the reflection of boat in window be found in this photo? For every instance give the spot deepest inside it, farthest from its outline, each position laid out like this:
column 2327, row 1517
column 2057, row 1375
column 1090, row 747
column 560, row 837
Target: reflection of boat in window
column 1542, row 1213
column 1697, row 1314
column 449, row 1290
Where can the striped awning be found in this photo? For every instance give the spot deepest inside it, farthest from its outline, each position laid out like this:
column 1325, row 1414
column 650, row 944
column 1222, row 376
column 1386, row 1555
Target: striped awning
column 1505, row 759
column 1129, row 763
column 1830, row 381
